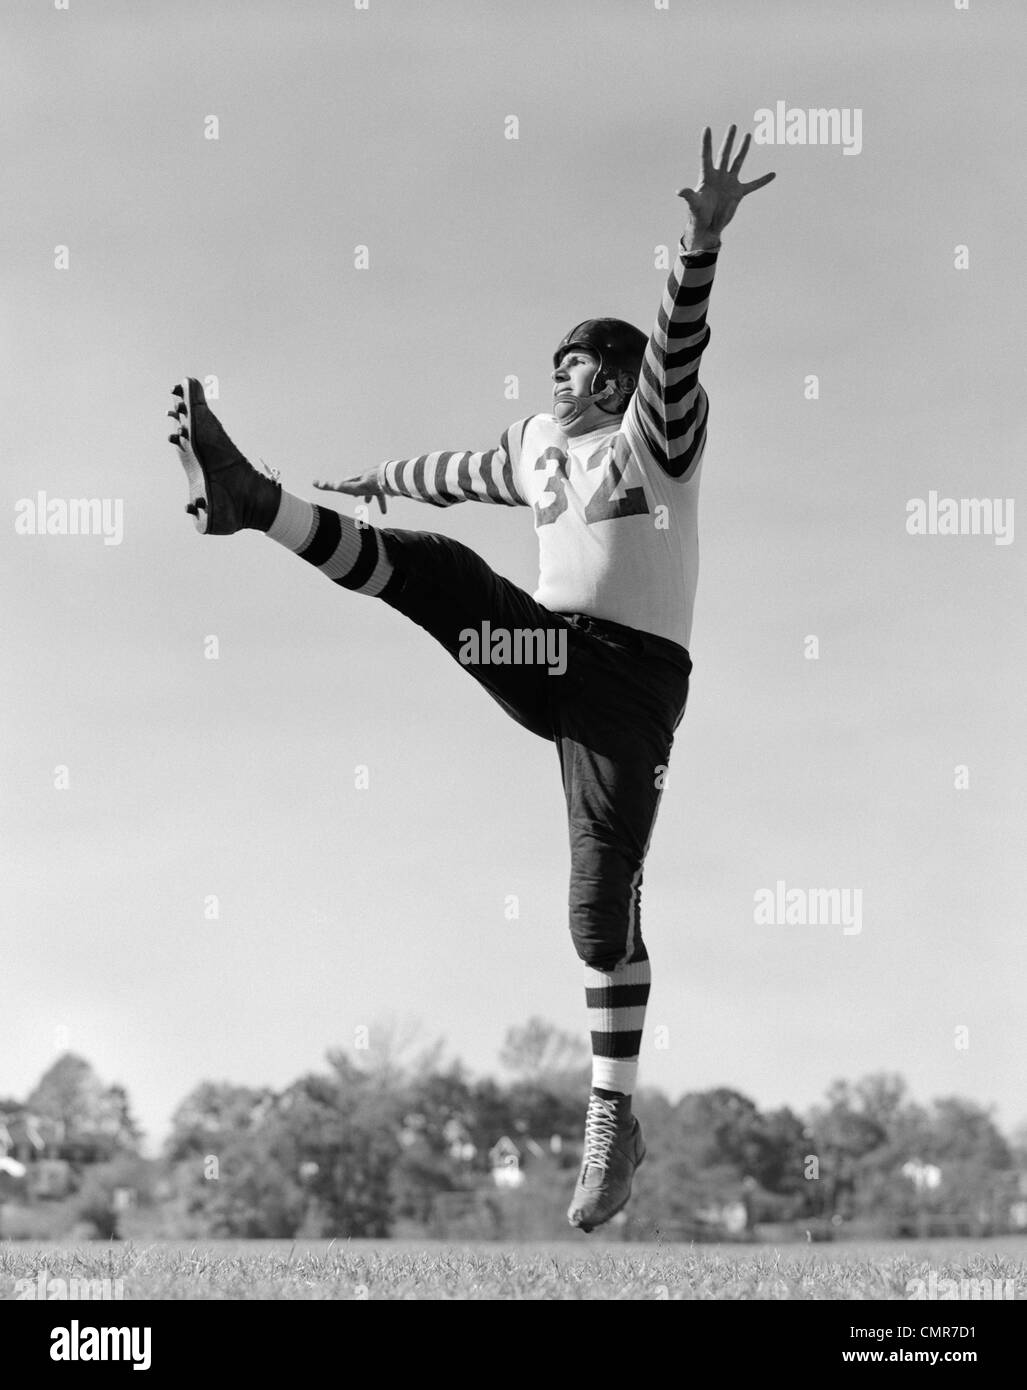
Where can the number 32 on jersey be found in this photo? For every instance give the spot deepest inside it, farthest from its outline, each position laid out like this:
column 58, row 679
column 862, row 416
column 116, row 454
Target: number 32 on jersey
column 602, row 505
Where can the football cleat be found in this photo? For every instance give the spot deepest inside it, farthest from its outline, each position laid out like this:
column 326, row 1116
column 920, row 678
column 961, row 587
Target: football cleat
column 613, row 1150
column 226, row 493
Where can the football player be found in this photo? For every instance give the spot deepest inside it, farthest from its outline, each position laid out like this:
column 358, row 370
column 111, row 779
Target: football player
column 611, row 475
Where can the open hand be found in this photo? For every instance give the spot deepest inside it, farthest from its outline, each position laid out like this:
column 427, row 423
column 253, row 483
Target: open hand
column 364, row 485
column 713, row 203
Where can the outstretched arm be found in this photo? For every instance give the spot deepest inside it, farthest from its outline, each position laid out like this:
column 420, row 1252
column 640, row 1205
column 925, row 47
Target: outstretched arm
column 443, row 478
column 669, row 409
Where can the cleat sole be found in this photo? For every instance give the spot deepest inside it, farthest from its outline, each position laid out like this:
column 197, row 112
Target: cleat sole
column 197, row 507
column 594, row 1226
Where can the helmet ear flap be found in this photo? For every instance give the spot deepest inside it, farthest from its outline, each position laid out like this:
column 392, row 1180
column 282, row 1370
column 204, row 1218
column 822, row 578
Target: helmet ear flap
column 624, row 384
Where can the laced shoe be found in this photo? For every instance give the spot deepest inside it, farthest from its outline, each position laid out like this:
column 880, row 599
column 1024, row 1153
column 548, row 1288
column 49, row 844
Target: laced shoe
column 613, row 1150
column 226, row 493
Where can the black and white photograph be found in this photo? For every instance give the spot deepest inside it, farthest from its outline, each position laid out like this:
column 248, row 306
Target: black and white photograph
column 514, row 758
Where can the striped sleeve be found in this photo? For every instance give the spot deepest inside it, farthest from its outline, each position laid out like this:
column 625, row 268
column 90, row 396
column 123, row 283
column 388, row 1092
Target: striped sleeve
column 444, row 478
column 669, row 409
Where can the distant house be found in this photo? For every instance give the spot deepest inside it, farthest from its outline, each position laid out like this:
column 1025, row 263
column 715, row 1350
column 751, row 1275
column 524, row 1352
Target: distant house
column 508, row 1159
column 505, row 1159
column 923, row 1176
column 24, row 1137
column 31, row 1143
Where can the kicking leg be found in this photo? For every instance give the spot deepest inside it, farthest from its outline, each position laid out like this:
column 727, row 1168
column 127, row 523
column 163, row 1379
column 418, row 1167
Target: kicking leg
column 446, row 588
column 227, row 494
column 438, row 583
column 348, row 554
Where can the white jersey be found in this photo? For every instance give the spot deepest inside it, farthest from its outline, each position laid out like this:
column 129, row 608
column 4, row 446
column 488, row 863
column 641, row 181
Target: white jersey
column 616, row 510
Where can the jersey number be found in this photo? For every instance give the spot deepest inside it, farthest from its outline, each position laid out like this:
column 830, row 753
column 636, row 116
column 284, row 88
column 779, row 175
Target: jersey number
column 557, row 485
column 602, row 505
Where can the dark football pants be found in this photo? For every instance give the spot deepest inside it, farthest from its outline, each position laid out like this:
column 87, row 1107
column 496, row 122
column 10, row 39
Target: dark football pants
column 612, row 716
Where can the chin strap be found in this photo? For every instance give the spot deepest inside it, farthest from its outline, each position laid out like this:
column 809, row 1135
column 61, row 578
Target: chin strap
column 581, row 403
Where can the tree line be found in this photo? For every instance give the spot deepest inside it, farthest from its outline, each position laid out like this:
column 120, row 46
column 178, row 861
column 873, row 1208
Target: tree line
column 397, row 1141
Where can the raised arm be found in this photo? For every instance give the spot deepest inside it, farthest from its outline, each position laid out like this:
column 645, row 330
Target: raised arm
column 670, row 408
column 444, row 478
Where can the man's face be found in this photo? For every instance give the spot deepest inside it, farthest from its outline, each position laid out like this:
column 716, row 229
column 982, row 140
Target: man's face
column 573, row 378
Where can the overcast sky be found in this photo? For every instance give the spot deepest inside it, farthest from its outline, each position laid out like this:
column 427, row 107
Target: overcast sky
column 235, row 777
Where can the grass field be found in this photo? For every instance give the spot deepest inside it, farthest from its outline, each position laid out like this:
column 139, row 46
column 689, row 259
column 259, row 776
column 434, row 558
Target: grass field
column 574, row 1270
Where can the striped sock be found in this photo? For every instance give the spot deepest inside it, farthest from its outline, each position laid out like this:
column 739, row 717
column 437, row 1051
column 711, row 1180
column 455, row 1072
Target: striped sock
column 348, row 554
column 616, row 1001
